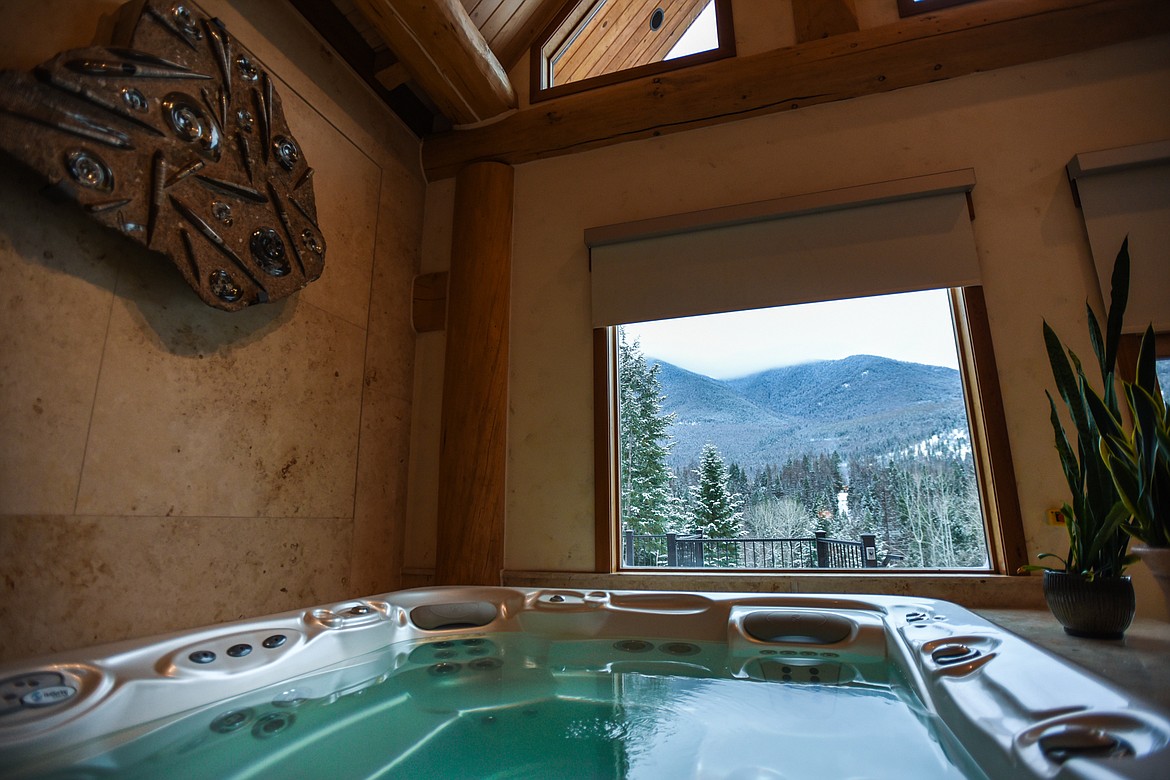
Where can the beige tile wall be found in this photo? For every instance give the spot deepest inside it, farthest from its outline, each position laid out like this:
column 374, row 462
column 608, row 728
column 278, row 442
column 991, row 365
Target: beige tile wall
column 166, row 465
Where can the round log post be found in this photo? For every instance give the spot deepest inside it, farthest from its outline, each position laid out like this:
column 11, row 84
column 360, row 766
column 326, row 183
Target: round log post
column 473, row 447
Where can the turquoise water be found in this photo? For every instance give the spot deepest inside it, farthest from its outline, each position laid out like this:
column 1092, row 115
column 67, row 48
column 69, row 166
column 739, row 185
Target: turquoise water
column 515, row 706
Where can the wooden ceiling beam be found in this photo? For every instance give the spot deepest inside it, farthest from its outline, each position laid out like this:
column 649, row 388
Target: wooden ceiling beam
column 445, row 53
column 916, row 50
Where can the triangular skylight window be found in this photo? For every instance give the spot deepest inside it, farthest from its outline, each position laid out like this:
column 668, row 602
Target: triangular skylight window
column 602, row 41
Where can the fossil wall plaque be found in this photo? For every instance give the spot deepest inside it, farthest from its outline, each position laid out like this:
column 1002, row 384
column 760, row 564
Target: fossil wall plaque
column 174, row 135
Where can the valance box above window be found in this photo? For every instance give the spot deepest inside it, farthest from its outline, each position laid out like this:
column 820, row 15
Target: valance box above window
column 1126, row 192
column 873, row 239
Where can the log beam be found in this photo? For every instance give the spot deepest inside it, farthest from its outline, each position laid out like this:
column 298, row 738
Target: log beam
column 916, row 50
column 473, row 446
column 445, row 53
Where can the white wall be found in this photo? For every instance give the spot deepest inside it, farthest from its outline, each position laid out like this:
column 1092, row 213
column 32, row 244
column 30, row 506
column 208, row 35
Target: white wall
column 1017, row 128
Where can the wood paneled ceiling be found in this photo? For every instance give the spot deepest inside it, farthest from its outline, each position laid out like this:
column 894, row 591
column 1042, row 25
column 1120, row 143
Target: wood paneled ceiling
column 616, row 35
column 511, row 26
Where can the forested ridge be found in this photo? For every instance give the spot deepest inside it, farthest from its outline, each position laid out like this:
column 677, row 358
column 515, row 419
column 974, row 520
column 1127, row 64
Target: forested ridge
column 860, row 445
column 859, row 405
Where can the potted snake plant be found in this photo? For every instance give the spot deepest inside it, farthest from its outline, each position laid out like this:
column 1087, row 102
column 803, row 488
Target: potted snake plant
column 1138, row 458
column 1089, row 593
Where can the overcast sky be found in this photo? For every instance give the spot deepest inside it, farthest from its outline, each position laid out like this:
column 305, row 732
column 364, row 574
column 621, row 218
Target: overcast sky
column 912, row 327
column 702, row 35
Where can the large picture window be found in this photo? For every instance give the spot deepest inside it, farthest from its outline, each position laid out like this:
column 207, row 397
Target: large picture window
column 820, row 435
column 801, row 384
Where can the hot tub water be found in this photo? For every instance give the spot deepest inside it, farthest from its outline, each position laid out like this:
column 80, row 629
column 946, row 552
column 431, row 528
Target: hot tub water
column 516, row 706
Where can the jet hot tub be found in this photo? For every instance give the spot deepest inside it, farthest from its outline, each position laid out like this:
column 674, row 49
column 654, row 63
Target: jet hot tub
column 506, row 682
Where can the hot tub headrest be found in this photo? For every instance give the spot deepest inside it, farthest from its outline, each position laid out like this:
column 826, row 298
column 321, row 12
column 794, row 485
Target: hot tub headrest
column 812, row 628
column 463, row 614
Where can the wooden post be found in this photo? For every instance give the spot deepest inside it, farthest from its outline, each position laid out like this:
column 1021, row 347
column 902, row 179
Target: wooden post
column 822, row 549
column 473, row 447
column 868, row 551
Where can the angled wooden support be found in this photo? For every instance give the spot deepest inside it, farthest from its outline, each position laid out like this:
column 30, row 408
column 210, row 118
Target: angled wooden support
column 815, row 19
column 473, row 447
column 444, row 51
column 392, row 76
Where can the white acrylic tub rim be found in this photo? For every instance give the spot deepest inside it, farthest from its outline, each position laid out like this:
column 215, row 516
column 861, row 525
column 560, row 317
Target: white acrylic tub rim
column 1011, row 704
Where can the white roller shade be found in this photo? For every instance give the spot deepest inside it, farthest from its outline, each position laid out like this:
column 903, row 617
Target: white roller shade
column 1127, row 192
column 912, row 234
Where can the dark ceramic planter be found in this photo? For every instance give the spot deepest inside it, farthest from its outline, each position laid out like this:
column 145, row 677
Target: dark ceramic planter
column 1097, row 608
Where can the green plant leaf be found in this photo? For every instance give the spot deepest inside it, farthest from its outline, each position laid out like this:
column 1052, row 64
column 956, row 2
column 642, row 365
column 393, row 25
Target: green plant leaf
column 1146, row 375
column 1118, row 300
column 1095, row 338
column 1068, row 459
column 1107, row 422
column 1066, row 380
column 1037, row 567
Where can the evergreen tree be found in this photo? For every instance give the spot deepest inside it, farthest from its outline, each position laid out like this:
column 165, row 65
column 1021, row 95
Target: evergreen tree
column 737, row 480
column 647, row 504
column 714, row 507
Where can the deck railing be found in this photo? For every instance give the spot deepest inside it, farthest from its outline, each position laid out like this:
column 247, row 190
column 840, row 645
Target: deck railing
column 694, row 551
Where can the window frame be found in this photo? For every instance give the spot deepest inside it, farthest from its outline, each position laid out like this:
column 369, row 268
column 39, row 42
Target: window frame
column 564, row 25
column 1130, row 345
column 1161, row 344
column 995, row 472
